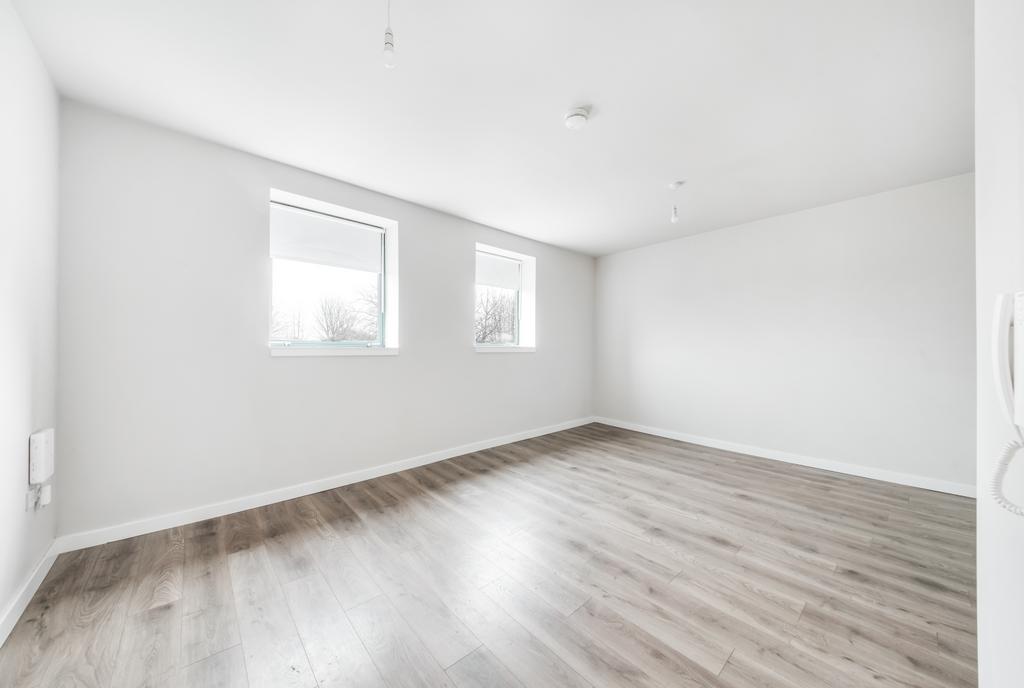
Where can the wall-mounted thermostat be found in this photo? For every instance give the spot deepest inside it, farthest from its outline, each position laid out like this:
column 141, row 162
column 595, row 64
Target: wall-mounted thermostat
column 40, row 456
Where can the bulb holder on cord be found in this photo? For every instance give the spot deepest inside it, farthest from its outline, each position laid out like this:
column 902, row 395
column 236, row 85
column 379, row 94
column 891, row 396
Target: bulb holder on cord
column 389, row 48
column 675, row 186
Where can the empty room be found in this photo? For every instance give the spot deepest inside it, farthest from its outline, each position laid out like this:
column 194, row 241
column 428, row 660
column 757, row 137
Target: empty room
column 395, row 344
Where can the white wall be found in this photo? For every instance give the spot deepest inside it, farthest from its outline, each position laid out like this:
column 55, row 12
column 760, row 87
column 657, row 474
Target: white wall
column 168, row 397
column 28, row 288
column 840, row 334
column 999, row 158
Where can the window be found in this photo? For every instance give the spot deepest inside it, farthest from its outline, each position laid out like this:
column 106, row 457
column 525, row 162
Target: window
column 504, row 313
column 334, row 284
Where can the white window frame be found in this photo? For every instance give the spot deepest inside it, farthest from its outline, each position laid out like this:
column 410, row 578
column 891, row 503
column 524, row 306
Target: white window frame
column 390, row 282
column 527, row 302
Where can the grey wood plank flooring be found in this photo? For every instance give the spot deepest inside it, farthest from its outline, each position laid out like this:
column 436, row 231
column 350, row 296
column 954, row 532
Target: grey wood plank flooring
column 585, row 558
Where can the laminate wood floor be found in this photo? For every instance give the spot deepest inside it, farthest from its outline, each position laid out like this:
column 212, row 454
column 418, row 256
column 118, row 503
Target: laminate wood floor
column 590, row 557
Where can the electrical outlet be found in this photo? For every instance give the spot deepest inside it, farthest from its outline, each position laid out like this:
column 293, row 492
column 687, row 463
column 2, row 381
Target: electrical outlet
column 37, row 497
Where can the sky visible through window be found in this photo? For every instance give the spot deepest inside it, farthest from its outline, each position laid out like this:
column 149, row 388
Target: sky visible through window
column 324, row 303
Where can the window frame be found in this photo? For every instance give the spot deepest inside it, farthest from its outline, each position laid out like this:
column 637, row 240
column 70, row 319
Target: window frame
column 527, row 302
column 388, row 345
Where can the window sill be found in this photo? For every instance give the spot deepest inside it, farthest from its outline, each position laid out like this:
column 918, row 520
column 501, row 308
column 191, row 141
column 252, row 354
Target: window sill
column 330, row 351
column 505, row 349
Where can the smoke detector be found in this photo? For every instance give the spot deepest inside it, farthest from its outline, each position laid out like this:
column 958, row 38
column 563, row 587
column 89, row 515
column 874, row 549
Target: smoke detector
column 577, row 118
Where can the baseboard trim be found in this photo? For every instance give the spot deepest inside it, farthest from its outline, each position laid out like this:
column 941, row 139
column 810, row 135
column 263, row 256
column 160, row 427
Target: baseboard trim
column 909, row 479
column 16, row 607
column 89, row 538
column 73, row 541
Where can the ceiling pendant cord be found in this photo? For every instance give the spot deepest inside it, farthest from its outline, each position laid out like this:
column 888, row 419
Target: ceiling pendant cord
column 389, row 38
column 674, row 187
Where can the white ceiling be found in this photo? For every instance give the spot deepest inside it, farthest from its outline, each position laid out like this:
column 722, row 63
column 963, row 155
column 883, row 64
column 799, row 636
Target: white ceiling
column 764, row 107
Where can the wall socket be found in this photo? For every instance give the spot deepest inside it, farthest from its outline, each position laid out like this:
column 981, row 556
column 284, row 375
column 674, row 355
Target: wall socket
column 38, row 497
column 40, row 469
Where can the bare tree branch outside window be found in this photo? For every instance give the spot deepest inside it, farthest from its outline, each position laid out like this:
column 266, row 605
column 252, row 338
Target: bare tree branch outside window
column 286, row 326
column 497, row 317
column 348, row 321
column 335, row 320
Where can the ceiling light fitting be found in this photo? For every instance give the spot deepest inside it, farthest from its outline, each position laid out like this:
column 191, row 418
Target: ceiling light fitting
column 389, row 39
column 577, row 118
column 675, row 186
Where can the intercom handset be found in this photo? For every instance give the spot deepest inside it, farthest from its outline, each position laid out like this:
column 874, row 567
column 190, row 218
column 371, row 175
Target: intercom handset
column 1008, row 362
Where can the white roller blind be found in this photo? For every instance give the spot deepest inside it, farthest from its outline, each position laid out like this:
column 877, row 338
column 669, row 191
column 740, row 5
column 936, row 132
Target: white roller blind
column 497, row 271
column 298, row 234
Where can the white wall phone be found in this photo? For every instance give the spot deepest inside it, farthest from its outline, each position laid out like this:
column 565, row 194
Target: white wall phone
column 1008, row 362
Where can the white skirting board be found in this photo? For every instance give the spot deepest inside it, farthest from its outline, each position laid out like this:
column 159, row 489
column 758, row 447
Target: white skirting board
column 73, row 541
column 16, row 607
column 88, row 538
column 909, row 479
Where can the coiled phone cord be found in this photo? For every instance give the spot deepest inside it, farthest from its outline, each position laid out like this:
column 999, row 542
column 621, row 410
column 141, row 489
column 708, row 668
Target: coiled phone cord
column 1011, row 449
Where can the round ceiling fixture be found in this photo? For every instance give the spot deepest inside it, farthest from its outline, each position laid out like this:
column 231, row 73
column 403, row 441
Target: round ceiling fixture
column 577, row 118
